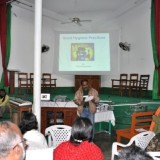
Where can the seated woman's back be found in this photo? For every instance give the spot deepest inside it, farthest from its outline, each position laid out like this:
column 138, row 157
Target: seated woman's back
column 86, row 151
column 29, row 126
column 79, row 147
column 35, row 139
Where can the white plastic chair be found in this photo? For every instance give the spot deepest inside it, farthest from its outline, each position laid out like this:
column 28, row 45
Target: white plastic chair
column 141, row 140
column 154, row 155
column 57, row 134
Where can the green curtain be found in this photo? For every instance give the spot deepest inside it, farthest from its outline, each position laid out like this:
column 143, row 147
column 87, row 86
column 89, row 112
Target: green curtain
column 8, row 33
column 155, row 30
column 8, row 45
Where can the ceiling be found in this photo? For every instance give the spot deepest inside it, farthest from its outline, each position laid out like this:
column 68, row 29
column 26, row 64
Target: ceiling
column 61, row 11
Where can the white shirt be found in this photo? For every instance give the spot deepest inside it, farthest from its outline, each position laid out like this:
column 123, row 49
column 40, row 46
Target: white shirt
column 35, row 140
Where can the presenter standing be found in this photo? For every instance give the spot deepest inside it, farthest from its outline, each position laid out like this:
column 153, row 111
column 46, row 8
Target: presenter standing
column 86, row 98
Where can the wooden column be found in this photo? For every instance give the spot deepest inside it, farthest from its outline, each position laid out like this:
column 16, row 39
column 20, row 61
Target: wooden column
column 12, row 80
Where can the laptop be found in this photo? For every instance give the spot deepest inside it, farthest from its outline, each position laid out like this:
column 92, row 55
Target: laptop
column 45, row 96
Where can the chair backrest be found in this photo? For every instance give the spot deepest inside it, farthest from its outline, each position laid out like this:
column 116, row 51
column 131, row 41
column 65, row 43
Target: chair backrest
column 133, row 81
column 123, row 76
column 46, row 76
column 57, row 134
column 31, row 75
column 22, row 79
column 141, row 140
column 123, row 79
column 46, row 80
column 40, row 154
column 134, row 76
column 31, row 78
column 141, row 120
column 144, row 80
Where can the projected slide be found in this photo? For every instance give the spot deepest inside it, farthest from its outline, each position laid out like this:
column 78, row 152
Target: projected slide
column 84, row 52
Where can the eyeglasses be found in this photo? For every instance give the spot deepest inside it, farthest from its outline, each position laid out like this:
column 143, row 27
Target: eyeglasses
column 24, row 142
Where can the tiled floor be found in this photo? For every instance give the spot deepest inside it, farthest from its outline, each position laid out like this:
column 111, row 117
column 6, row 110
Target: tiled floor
column 104, row 141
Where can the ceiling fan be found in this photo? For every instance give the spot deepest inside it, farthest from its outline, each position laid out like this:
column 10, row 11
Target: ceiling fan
column 76, row 21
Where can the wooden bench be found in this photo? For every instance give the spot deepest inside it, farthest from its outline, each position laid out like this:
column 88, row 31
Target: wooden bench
column 140, row 120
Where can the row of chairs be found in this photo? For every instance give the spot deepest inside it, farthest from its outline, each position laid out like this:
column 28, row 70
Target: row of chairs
column 59, row 133
column 141, row 132
column 131, row 86
column 25, row 81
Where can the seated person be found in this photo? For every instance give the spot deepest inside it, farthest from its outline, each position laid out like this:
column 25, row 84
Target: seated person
column 79, row 146
column 29, row 126
column 12, row 145
column 4, row 102
column 133, row 153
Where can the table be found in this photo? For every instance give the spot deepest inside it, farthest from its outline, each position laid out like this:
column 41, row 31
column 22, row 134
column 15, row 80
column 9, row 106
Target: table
column 20, row 109
column 67, row 108
column 57, row 112
column 105, row 116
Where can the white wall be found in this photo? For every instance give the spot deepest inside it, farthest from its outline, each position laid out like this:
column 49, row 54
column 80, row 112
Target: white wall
column 133, row 28
column 136, row 31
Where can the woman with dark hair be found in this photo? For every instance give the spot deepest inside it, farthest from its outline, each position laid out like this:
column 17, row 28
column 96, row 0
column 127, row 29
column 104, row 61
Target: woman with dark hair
column 80, row 145
column 28, row 127
column 4, row 102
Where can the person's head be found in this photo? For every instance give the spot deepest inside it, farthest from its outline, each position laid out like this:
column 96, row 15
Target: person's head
column 29, row 122
column 84, row 84
column 12, row 145
column 82, row 130
column 133, row 153
column 2, row 93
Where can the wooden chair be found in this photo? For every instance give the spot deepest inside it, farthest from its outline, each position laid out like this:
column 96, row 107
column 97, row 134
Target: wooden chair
column 22, row 81
column 133, row 84
column 120, row 84
column 47, row 81
column 31, row 79
column 143, row 85
column 153, row 123
column 140, row 121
